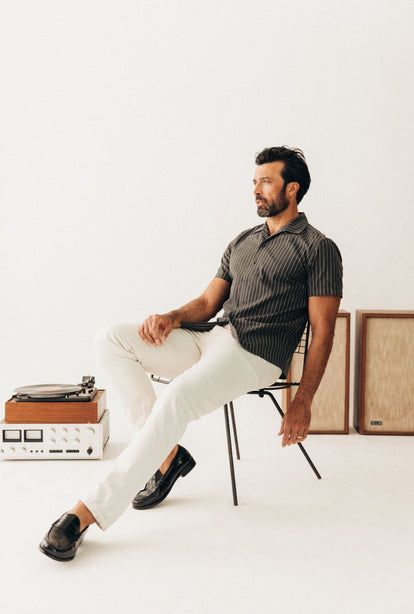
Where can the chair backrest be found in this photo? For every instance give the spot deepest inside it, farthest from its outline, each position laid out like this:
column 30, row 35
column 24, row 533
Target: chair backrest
column 302, row 348
column 304, row 342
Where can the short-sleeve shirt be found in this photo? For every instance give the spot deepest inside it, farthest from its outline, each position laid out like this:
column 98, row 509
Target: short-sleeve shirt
column 272, row 278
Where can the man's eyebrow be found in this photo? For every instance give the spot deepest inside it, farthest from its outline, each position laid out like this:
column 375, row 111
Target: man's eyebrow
column 254, row 180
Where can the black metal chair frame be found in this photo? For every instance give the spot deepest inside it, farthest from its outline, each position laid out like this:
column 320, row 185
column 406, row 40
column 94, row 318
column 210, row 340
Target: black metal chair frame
column 281, row 384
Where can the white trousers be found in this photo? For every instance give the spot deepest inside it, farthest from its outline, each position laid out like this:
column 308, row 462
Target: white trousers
column 208, row 369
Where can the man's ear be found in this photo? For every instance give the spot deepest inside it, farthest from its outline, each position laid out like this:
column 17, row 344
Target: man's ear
column 292, row 189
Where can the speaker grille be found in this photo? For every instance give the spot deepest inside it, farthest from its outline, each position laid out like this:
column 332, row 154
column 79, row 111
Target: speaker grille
column 389, row 367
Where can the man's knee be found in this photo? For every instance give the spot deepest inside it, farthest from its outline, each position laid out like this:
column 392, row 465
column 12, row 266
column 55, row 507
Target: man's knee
column 109, row 335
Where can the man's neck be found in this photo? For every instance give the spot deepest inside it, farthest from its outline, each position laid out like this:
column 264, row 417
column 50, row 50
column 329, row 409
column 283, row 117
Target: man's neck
column 276, row 222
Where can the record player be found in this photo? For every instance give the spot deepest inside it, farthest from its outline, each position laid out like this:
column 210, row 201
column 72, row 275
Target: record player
column 55, row 421
column 64, row 392
column 57, row 403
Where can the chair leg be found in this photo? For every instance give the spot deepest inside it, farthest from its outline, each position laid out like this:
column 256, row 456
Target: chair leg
column 229, row 447
column 233, row 421
column 302, row 449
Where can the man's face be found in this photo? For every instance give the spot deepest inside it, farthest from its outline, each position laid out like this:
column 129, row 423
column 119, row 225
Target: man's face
column 269, row 189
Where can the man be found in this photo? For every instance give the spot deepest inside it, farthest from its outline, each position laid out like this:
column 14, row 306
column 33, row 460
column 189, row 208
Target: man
column 272, row 279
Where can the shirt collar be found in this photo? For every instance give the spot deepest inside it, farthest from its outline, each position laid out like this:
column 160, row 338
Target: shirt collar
column 295, row 226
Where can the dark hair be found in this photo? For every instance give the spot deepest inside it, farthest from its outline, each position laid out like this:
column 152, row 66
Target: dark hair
column 295, row 168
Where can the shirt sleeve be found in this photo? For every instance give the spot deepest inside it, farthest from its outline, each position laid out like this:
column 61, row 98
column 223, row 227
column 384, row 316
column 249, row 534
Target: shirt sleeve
column 224, row 268
column 325, row 270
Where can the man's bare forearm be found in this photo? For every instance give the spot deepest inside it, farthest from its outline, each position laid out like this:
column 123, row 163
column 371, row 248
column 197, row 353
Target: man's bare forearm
column 205, row 306
column 195, row 311
column 156, row 328
column 323, row 312
column 296, row 422
column 316, row 361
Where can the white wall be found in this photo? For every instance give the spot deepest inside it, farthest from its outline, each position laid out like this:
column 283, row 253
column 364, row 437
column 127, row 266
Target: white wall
column 127, row 142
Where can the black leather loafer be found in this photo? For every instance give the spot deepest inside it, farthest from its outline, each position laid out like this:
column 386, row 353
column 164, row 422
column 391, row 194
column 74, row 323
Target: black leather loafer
column 158, row 487
column 63, row 539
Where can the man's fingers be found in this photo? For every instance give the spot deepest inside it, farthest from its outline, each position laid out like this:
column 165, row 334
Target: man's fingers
column 165, row 333
column 148, row 331
column 303, row 433
column 145, row 333
column 293, row 439
column 296, row 438
column 142, row 332
column 155, row 329
column 285, row 439
column 165, row 329
column 295, row 424
column 285, row 431
column 292, row 434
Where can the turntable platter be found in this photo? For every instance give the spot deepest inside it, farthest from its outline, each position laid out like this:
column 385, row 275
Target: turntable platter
column 44, row 391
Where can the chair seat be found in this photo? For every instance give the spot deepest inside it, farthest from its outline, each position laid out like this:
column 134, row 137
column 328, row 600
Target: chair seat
column 279, row 385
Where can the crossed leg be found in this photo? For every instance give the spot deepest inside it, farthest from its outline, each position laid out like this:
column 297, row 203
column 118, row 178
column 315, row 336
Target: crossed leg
column 216, row 369
column 127, row 360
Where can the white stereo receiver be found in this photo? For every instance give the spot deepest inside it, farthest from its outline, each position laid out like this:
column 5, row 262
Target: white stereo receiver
column 54, row 441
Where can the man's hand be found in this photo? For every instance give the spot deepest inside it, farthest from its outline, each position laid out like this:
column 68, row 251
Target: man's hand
column 295, row 424
column 156, row 328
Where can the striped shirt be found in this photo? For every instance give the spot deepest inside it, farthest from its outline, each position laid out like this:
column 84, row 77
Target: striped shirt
column 272, row 278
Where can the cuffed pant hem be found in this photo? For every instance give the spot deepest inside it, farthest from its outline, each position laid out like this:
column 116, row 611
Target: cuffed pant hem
column 100, row 518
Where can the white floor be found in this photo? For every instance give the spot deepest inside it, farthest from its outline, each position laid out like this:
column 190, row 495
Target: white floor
column 295, row 544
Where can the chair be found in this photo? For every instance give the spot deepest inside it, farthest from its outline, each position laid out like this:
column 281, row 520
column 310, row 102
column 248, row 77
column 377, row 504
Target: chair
column 281, row 384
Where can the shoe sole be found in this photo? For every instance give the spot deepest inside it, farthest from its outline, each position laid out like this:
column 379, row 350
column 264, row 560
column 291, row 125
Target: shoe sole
column 184, row 471
column 56, row 558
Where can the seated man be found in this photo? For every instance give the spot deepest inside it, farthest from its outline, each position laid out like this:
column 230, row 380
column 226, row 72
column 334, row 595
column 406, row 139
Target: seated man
column 272, row 279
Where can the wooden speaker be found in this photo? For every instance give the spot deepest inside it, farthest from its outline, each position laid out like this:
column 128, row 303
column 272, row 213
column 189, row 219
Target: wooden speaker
column 384, row 383
column 330, row 406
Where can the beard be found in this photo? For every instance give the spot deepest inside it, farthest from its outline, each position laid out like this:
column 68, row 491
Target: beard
column 269, row 208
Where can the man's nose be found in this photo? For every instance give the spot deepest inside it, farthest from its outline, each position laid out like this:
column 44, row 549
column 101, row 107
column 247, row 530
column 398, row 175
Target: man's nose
column 256, row 190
